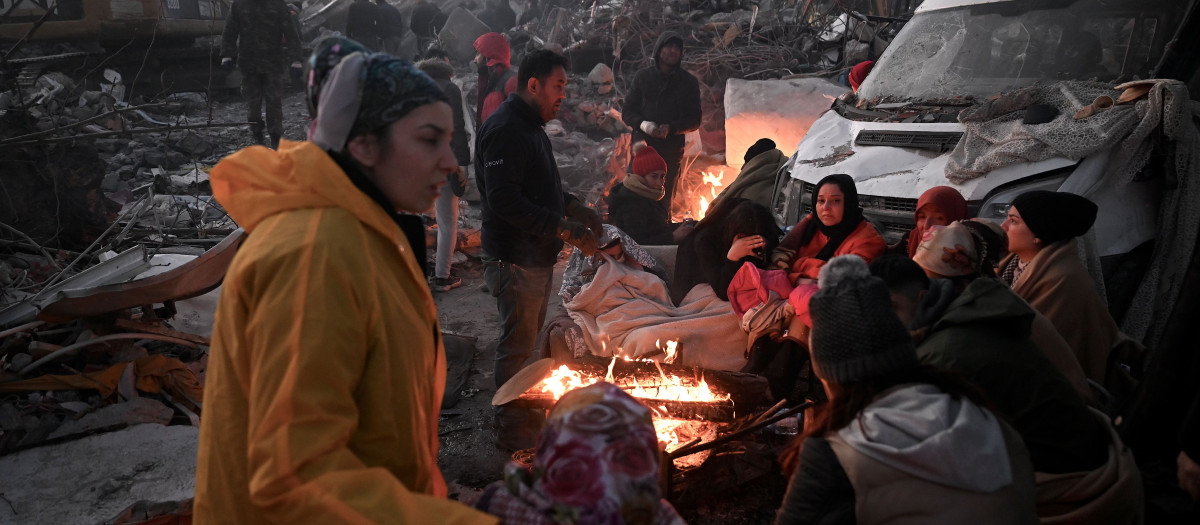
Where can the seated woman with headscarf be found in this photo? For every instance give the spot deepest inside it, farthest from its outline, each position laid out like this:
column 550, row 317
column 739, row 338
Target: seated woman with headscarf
column 938, row 206
column 835, row 227
column 1044, row 268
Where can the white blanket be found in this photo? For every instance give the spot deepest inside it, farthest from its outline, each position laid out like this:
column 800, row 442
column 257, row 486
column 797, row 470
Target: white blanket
column 629, row 312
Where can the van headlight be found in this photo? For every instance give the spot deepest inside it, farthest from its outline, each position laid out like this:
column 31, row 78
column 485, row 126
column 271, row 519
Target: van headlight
column 995, row 207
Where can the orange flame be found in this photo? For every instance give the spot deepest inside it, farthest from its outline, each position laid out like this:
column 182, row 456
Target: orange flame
column 672, row 347
column 713, row 182
column 564, row 380
column 669, row 387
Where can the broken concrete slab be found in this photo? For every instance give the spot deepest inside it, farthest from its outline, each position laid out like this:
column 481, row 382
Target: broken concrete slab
column 136, row 411
column 459, row 34
column 781, row 110
column 106, row 473
column 601, row 74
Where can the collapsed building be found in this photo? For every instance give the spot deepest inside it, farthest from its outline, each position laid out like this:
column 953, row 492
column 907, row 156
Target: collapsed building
column 112, row 247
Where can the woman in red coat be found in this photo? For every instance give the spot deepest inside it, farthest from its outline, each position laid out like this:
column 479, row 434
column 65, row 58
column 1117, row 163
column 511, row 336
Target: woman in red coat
column 835, row 227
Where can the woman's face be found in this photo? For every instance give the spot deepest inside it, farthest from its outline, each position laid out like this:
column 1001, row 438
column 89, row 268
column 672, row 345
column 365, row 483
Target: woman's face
column 930, row 215
column 831, row 204
column 410, row 162
column 655, row 180
column 1021, row 239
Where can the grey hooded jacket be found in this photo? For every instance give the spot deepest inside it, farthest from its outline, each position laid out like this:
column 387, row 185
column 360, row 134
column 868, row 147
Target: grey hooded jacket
column 914, row 455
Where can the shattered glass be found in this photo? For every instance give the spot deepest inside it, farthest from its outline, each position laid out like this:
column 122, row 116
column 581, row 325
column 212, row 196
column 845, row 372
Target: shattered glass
column 955, row 56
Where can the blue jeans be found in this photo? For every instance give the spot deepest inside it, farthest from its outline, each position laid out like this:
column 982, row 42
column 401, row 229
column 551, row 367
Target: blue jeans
column 446, row 213
column 522, row 295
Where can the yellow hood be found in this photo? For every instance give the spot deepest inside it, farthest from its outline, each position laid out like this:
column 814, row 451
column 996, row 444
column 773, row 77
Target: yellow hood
column 257, row 182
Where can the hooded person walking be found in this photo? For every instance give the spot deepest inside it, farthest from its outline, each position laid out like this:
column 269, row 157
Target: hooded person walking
column 897, row 442
column 497, row 78
column 663, row 105
column 327, row 368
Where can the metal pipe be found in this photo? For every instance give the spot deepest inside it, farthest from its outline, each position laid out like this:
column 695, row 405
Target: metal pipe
column 21, row 328
column 104, row 338
column 736, row 435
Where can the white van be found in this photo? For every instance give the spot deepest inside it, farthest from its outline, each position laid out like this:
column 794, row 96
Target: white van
column 896, row 134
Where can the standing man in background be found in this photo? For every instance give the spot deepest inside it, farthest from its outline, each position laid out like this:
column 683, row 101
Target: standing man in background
column 361, row 20
column 523, row 222
column 262, row 35
column 663, row 105
column 390, row 27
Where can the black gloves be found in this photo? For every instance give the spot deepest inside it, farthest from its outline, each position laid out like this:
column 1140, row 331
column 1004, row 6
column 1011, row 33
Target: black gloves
column 578, row 235
column 578, row 211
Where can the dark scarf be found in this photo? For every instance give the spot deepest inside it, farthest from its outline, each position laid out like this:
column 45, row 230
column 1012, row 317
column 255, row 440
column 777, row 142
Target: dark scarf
column 412, row 225
column 851, row 216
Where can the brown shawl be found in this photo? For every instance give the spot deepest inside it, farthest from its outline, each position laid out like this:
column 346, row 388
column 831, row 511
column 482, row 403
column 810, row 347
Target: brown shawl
column 1056, row 284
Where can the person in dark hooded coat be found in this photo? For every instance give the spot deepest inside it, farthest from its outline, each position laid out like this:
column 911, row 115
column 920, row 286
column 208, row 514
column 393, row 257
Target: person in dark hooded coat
column 663, row 105
column 736, row 232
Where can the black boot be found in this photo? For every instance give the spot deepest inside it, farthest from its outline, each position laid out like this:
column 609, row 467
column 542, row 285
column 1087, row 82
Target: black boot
column 274, row 141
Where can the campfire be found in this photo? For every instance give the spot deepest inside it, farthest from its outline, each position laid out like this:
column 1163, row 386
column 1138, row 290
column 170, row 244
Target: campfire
column 672, row 398
column 709, row 446
column 697, row 191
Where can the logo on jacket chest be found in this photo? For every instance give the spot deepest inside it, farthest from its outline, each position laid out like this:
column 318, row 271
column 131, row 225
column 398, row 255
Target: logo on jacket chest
column 493, row 163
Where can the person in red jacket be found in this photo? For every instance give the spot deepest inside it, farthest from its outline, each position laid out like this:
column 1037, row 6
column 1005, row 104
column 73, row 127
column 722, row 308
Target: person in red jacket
column 497, row 78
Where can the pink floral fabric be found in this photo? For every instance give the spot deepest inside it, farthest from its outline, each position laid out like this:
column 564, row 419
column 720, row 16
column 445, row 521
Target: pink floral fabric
column 596, row 463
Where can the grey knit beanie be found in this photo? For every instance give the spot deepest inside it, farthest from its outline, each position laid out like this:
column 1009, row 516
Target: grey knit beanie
column 856, row 335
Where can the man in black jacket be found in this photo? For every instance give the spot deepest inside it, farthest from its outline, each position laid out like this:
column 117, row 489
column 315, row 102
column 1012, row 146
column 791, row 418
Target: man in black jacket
column 390, row 28
column 361, row 18
column 663, row 105
column 523, row 219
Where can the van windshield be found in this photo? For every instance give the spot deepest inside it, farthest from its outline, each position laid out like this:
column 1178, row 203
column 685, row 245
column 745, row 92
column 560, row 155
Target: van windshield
column 973, row 52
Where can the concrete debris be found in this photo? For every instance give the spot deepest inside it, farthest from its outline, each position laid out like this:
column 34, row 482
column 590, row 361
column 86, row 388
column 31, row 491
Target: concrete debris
column 106, row 473
column 459, row 34
column 601, row 74
column 781, row 110
column 136, row 411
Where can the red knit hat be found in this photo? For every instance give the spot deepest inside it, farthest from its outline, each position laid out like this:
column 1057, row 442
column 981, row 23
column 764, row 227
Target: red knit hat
column 494, row 47
column 646, row 160
column 859, row 73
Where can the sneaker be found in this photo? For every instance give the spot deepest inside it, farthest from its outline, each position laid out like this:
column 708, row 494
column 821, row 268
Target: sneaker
column 445, row 284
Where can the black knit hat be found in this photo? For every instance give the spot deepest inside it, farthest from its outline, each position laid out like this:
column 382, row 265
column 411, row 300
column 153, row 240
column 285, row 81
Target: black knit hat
column 856, row 335
column 1054, row 216
column 762, row 146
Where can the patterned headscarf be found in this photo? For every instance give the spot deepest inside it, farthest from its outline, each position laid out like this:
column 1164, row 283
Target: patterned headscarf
column 352, row 91
column 964, row 248
column 597, row 462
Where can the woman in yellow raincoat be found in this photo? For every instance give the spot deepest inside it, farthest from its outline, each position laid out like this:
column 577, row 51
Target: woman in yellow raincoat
column 327, row 368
